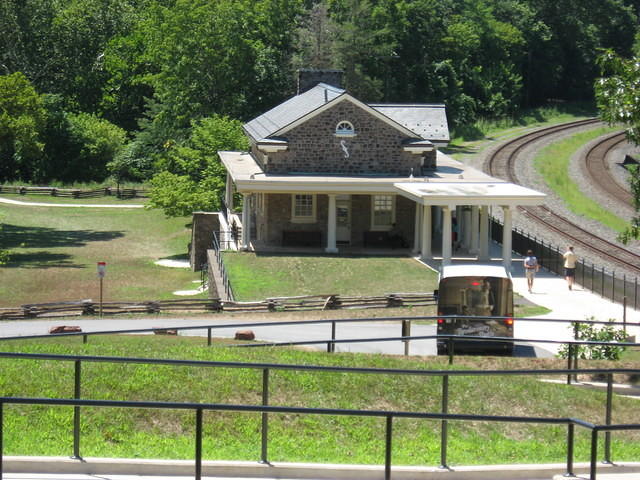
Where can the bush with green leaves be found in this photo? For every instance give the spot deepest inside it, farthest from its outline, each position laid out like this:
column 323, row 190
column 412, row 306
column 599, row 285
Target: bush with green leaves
column 590, row 332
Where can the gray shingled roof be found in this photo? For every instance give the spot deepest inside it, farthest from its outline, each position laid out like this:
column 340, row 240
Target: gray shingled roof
column 429, row 121
column 291, row 110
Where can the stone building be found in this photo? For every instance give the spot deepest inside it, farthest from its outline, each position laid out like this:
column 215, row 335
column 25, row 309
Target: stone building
column 328, row 171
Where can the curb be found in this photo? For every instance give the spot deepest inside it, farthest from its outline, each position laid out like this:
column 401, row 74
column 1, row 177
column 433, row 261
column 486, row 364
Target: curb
column 175, row 468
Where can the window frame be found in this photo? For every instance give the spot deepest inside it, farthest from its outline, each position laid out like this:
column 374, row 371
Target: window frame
column 383, row 228
column 312, row 218
column 345, row 132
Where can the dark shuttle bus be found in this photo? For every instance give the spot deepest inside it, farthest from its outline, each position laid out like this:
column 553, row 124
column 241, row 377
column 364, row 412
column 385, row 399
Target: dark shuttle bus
column 475, row 290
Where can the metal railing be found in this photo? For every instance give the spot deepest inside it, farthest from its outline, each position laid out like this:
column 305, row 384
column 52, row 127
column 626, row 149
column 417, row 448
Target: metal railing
column 221, row 268
column 265, row 409
column 404, row 334
column 607, row 283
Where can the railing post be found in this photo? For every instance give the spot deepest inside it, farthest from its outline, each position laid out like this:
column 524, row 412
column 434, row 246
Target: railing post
column 602, row 280
column 387, row 454
column 569, row 362
column 443, row 425
column 265, row 417
column 76, row 409
column 331, row 346
column 198, row 444
column 607, row 420
column 613, row 286
column 570, row 441
column 593, row 274
column 624, row 316
column 84, row 339
column 594, row 454
column 406, row 332
column 1, row 437
column 209, row 337
column 450, row 350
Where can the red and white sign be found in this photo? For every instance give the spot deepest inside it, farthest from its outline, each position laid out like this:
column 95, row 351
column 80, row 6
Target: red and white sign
column 102, row 269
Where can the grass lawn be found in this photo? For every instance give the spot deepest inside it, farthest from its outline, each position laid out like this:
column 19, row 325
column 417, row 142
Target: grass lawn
column 228, row 436
column 54, row 252
column 258, row 276
column 553, row 164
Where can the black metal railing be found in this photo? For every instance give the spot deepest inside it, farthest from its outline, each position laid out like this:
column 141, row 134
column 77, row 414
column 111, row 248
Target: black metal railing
column 617, row 287
column 221, row 269
column 265, row 409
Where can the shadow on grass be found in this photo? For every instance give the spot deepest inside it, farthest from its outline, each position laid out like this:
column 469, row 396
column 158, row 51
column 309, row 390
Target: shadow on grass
column 43, row 237
column 41, row 260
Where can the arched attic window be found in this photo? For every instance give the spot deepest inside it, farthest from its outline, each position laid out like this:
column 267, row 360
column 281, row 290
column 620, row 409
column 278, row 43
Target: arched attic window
column 345, row 129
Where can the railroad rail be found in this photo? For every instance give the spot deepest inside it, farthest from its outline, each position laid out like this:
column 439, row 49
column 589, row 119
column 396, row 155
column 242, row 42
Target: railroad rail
column 598, row 168
column 502, row 164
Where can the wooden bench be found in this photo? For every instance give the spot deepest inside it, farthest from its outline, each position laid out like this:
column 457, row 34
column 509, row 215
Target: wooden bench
column 301, row 238
column 382, row 240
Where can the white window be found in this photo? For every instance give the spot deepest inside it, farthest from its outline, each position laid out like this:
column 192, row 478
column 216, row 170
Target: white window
column 303, row 208
column 383, row 212
column 345, row 129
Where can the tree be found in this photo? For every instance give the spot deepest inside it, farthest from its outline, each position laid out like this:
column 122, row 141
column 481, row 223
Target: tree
column 22, row 116
column 617, row 94
column 193, row 178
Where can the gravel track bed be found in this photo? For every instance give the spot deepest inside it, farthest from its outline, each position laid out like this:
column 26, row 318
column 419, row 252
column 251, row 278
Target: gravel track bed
column 529, row 177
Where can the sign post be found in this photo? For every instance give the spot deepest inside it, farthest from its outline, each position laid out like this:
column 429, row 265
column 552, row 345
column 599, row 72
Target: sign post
column 102, row 270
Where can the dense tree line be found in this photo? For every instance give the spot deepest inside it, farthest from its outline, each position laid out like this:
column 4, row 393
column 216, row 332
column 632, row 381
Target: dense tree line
column 138, row 89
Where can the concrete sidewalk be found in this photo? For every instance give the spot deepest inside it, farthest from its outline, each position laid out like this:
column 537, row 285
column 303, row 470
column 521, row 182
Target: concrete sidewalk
column 59, row 468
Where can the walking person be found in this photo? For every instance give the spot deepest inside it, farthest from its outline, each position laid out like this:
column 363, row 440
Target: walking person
column 570, row 259
column 530, row 268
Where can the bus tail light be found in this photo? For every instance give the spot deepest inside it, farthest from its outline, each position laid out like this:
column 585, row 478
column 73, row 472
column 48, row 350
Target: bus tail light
column 509, row 322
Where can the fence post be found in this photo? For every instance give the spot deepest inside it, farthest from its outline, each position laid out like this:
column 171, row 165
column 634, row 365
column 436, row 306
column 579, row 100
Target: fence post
column 406, row 332
column 209, row 337
column 593, row 274
column 387, row 453
column 570, row 439
column 570, row 362
column 443, row 425
column 1, row 437
column 607, row 420
column 594, row 454
column 635, row 294
column 198, row 444
column 613, row 286
column 331, row 346
column 602, row 280
column 265, row 416
column 450, row 350
column 76, row 409
column 624, row 316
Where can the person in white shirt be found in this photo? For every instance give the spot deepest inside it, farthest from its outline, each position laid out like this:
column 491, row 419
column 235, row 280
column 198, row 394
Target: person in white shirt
column 570, row 259
column 530, row 268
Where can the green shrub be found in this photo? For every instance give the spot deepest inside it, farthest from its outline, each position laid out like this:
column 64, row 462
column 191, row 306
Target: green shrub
column 589, row 332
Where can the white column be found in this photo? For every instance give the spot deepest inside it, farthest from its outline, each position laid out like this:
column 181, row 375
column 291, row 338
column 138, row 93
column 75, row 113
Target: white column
column 246, row 220
column 467, row 233
column 228, row 197
column 446, row 236
column 426, row 234
column 506, row 238
column 417, row 228
column 331, row 226
column 474, row 229
column 483, row 254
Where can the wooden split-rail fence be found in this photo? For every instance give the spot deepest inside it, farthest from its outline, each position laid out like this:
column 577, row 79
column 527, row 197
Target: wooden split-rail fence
column 279, row 304
column 75, row 192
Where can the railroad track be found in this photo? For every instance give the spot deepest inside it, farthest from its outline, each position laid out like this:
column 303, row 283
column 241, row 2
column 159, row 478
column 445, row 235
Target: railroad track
column 598, row 168
column 501, row 164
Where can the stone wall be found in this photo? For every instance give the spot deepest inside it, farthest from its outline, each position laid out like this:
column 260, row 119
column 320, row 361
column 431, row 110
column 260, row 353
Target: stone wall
column 202, row 228
column 377, row 148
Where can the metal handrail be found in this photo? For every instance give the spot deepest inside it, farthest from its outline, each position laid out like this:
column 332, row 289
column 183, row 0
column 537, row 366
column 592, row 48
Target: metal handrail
column 221, row 268
column 199, row 408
